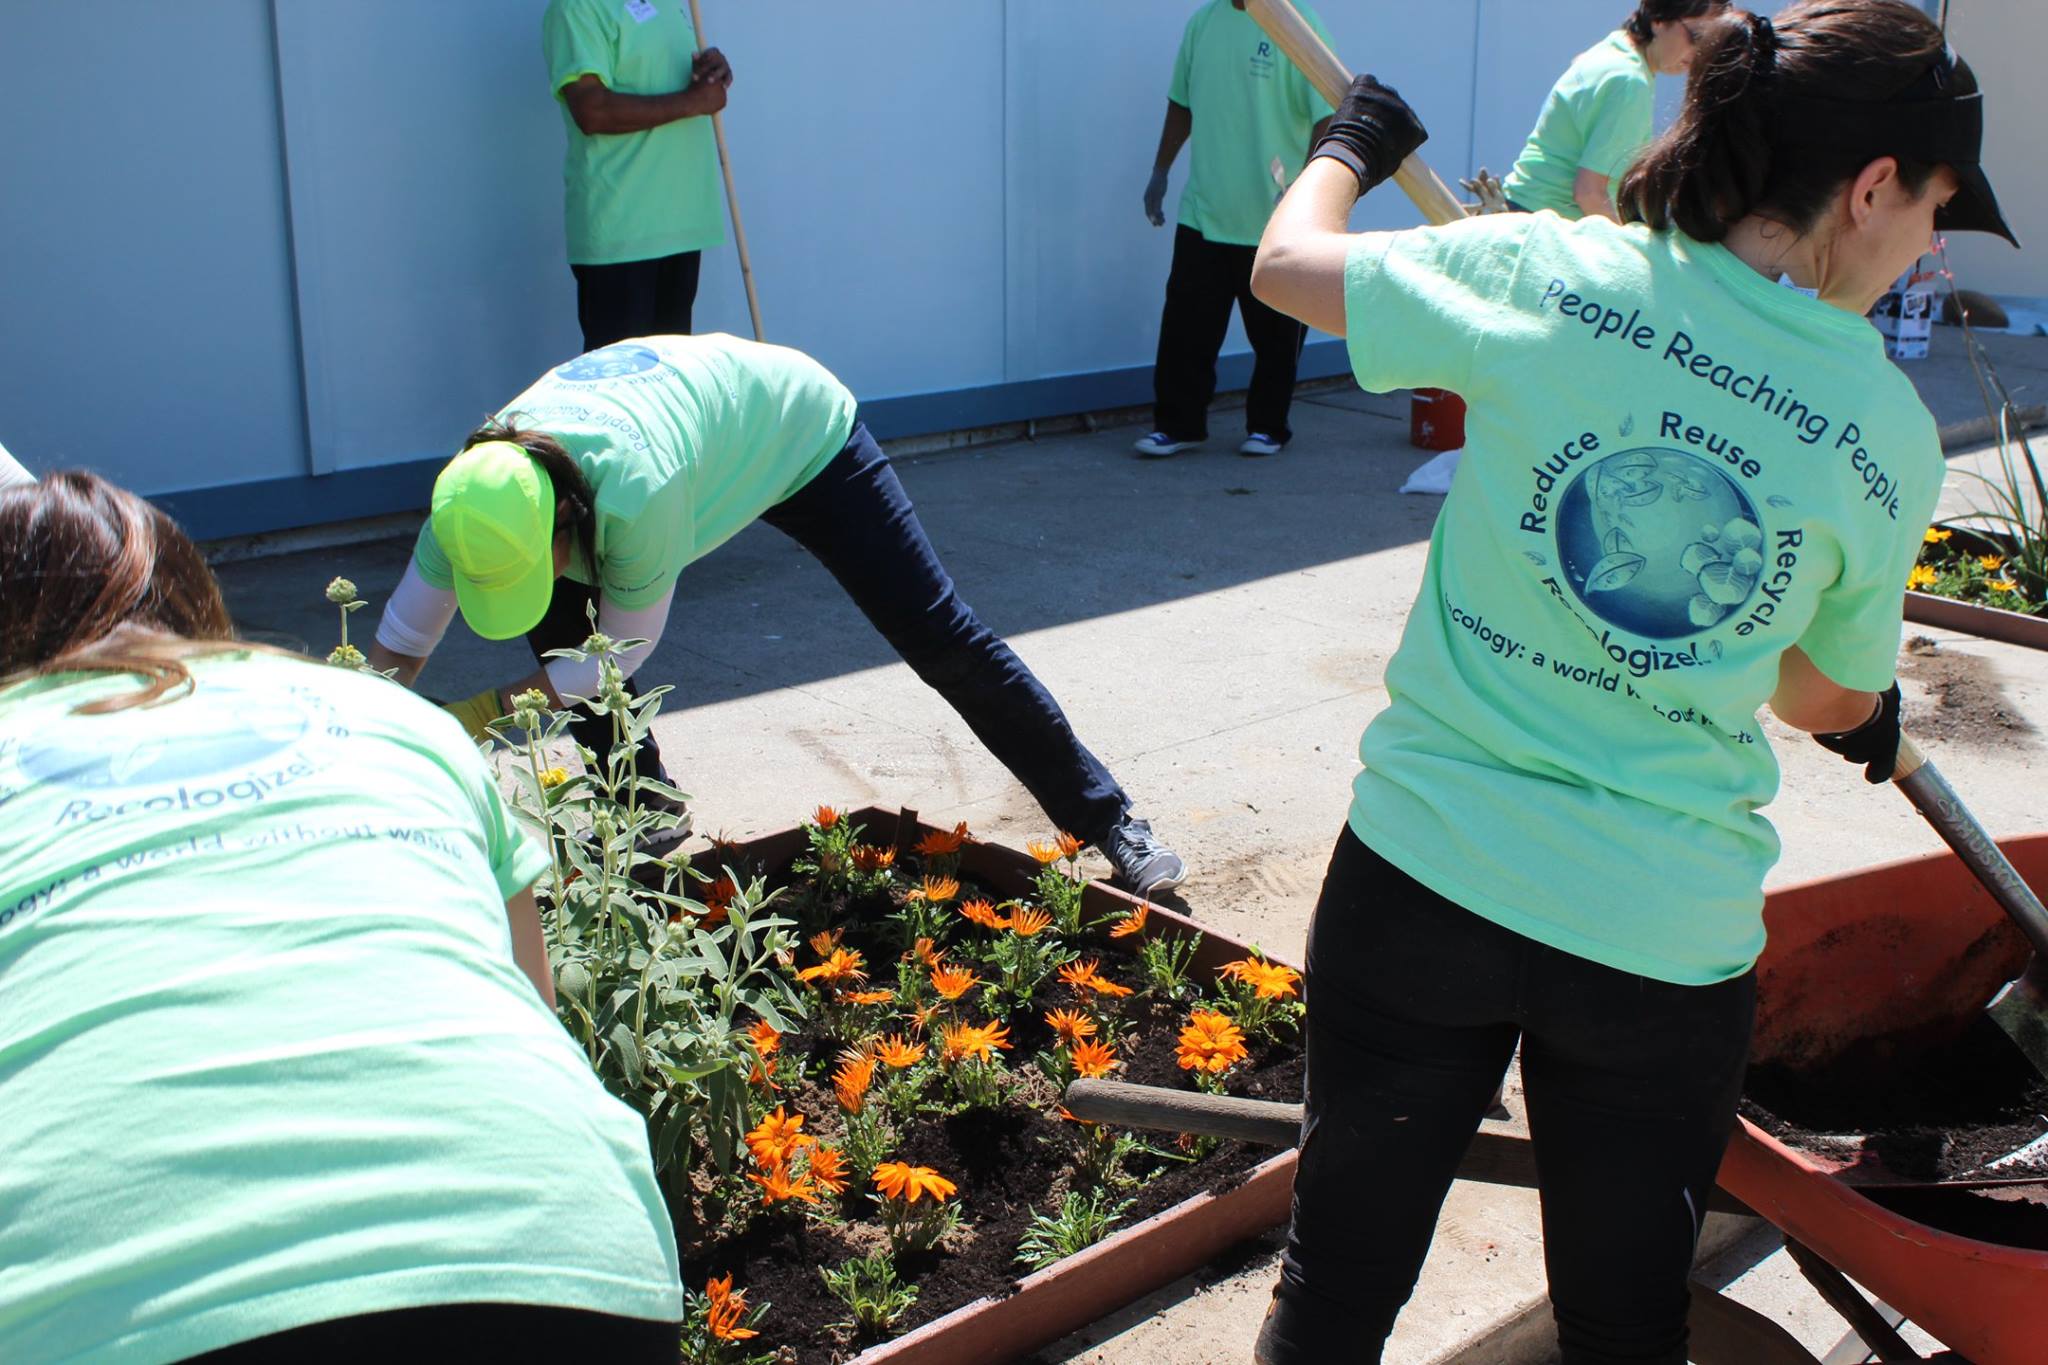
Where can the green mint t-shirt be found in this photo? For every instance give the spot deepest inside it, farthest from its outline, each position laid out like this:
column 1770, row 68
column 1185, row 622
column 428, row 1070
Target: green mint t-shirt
column 1252, row 108
column 265, row 1056
column 1674, row 470
column 685, row 441
column 1599, row 115
column 633, row 196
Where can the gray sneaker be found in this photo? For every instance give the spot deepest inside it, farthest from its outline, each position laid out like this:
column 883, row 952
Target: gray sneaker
column 1143, row 864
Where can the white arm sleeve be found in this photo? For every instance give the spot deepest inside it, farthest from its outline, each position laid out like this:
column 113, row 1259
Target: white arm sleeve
column 416, row 617
column 572, row 679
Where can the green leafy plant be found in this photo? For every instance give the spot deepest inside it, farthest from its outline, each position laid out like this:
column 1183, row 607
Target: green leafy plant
column 1166, row 960
column 1083, row 1220
column 1975, row 571
column 874, row 1297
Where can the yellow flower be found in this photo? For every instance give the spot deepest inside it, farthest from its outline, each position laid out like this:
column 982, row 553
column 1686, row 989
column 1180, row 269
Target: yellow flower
column 1210, row 1042
column 774, row 1139
column 1990, row 563
column 963, row 1041
column 2002, row 585
column 1093, row 1059
column 1269, row 979
column 1921, row 577
column 723, row 1310
column 1935, row 535
column 553, row 777
column 899, row 1180
column 1132, row 923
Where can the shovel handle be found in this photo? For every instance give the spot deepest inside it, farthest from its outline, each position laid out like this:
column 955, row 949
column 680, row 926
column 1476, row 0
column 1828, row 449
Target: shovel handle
column 1267, row 1122
column 1931, row 794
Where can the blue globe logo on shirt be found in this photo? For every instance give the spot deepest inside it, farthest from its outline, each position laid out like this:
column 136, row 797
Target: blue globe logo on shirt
column 1659, row 542
column 609, row 362
column 129, row 749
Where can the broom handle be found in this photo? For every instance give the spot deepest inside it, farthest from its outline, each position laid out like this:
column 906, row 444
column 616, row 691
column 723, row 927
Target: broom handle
column 1331, row 78
column 732, row 198
column 1936, row 800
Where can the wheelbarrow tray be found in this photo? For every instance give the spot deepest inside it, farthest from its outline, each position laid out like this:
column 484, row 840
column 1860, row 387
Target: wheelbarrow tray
column 1917, row 937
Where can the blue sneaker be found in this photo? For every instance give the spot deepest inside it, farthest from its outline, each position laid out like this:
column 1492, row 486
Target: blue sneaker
column 1159, row 444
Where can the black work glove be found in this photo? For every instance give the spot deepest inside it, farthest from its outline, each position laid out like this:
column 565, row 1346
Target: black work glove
column 1874, row 743
column 1372, row 132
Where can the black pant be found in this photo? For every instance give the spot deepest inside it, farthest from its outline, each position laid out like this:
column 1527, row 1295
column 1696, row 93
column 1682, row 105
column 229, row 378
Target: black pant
column 461, row 1331
column 858, row 522
column 1207, row 277
column 636, row 298
column 1414, row 1009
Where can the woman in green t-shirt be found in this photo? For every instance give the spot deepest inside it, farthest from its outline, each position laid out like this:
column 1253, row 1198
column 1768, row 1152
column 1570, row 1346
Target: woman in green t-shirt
column 282, row 1078
column 1599, row 114
column 1688, row 492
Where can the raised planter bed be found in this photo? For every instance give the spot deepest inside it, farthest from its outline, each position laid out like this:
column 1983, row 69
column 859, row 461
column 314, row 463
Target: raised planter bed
column 1042, row 1307
column 1972, row 618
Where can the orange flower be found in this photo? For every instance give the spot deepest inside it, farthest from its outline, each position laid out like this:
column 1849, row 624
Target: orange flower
column 1025, row 923
column 843, row 965
column 896, row 1053
column 937, row 890
column 723, row 1310
column 823, row 942
column 924, row 952
column 1069, row 846
column 1133, row 922
column 764, row 1037
column 962, row 1041
column 828, row 1168
column 940, row 842
column 905, row 1182
column 1269, row 979
column 923, row 1015
column 1045, row 853
column 1210, row 1042
column 1070, row 1025
column 824, row 817
column 953, row 982
column 982, row 913
column 1094, row 1059
column 776, row 1137
column 718, row 896
column 871, row 997
column 1082, row 976
column 851, row 1080
column 780, row 1184
column 868, row 858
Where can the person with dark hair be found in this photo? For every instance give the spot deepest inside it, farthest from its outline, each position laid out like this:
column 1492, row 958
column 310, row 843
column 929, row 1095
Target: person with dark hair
column 619, row 469
column 643, row 200
column 1250, row 115
column 1688, row 492
column 1598, row 116
column 282, row 1071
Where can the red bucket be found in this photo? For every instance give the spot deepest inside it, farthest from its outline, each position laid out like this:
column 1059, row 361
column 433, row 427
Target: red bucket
column 1436, row 420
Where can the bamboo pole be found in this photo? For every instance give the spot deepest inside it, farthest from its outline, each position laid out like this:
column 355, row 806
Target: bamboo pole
column 732, row 198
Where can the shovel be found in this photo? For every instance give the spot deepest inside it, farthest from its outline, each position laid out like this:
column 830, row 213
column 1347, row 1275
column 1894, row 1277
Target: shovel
column 2020, row 1007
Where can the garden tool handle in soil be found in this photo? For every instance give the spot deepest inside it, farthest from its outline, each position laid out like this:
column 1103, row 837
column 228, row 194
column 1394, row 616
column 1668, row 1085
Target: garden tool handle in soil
column 1331, row 78
column 732, row 198
column 1124, row 1105
column 1931, row 794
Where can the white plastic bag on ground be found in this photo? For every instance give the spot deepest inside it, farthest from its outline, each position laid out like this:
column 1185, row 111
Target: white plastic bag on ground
column 1434, row 475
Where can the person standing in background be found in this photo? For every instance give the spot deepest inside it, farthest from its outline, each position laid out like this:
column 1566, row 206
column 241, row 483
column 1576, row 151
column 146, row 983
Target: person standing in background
column 641, row 173
column 1602, row 111
column 1252, row 116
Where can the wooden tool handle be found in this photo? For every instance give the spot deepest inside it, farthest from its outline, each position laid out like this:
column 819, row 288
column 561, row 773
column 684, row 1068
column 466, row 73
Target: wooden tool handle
column 1185, row 1111
column 1931, row 794
column 1331, row 78
column 732, row 198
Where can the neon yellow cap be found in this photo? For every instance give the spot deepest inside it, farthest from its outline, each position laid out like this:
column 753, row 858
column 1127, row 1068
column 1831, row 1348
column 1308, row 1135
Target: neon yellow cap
column 494, row 514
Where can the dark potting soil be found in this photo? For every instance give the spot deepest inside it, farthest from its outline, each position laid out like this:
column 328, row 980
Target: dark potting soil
column 1942, row 1115
column 1010, row 1165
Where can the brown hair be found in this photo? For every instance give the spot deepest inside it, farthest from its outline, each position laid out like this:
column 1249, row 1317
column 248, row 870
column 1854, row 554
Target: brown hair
column 575, row 503
column 95, row 579
column 1638, row 25
column 1732, row 153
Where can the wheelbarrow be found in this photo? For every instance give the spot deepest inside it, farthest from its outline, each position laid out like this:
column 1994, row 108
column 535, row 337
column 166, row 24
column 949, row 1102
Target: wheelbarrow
column 1859, row 959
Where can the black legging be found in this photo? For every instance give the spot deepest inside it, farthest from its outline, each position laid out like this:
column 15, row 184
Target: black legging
column 1414, row 1009
column 462, row 1331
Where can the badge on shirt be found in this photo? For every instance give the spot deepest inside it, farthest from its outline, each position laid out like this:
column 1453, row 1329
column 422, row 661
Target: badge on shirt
column 640, row 10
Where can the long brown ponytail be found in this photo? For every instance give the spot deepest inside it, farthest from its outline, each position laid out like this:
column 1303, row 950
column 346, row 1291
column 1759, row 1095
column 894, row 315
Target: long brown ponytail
column 1733, row 153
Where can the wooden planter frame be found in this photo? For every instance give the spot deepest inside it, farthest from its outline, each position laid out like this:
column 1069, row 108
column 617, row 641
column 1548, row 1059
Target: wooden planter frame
column 1049, row 1304
column 1974, row 618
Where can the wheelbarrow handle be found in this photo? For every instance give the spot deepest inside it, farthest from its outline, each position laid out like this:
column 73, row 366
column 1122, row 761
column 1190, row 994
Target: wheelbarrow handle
column 1931, row 794
column 1266, row 1122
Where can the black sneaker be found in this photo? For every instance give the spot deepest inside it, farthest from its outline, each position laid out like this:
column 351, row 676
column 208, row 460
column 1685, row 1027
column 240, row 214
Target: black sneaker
column 1143, row 864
